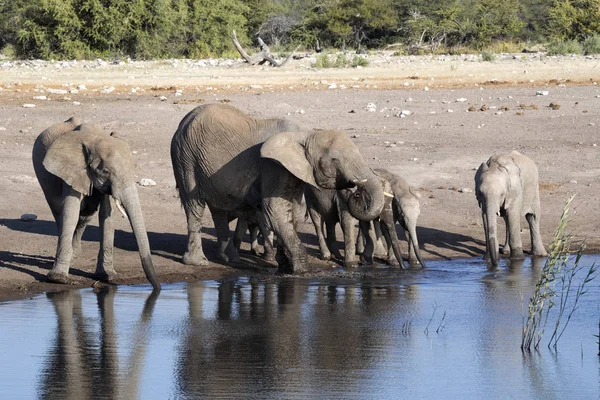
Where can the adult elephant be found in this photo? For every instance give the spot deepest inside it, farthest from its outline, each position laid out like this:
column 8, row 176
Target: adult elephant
column 80, row 168
column 507, row 186
column 229, row 161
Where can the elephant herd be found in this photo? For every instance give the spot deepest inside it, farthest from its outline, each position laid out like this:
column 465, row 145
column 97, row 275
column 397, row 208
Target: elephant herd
column 259, row 171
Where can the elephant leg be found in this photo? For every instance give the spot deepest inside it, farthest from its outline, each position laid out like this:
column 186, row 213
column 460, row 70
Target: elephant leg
column 254, row 230
column 514, row 230
column 506, row 248
column 347, row 222
column 331, row 239
column 389, row 232
column 368, row 232
column 240, row 230
column 281, row 191
column 380, row 248
column 537, row 246
column 268, row 237
column 81, row 225
column 486, row 256
column 69, row 218
column 318, row 224
column 194, row 254
column 227, row 252
column 360, row 242
column 104, row 267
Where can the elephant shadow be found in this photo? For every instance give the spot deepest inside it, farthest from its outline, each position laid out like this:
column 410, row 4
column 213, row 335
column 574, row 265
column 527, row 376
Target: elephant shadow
column 15, row 262
column 459, row 243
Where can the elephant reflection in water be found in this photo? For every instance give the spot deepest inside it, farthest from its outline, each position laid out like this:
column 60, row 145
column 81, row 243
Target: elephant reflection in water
column 280, row 326
column 80, row 368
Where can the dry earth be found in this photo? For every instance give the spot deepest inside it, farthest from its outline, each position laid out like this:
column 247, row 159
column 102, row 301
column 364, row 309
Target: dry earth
column 437, row 147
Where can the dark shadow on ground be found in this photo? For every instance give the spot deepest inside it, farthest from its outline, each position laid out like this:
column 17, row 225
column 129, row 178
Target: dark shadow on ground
column 10, row 260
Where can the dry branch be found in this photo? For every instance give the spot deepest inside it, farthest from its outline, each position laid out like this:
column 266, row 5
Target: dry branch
column 261, row 57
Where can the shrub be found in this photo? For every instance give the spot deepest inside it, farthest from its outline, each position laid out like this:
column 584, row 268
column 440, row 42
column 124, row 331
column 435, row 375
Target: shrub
column 487, row 56
column 591, row 45
column 563, row 47
column 339, row 61
column 359, row 61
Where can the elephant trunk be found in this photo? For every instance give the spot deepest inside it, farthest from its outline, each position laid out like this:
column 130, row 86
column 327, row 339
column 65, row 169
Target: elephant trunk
column 131, row 202
column 491, row 238
column 367, row 202
column 412, row 233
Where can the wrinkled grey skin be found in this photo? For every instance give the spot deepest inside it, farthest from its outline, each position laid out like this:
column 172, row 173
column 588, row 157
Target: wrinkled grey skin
column 254, row 222
column 80, row 168
column 406, row 208
column 219, row 153
column 507, row 186
column 323, row 160
column 216, row 158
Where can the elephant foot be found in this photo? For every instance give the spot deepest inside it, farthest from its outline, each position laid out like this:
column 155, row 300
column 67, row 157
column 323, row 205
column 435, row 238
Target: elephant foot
column 194, row 259
column 337, row 255
column 517, row 254
column 366, row 260
column 106, row 275
column 350, row 264
column 269, row 256
column 325, row 256
column 414, row 261
column 505, row 250
column 59, row 277
column 539, row 253
column 392, row 262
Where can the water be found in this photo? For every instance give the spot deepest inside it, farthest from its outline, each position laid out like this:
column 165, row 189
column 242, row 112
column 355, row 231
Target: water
column 450, row 331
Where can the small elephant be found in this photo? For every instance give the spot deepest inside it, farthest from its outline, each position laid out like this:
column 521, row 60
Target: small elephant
column 230, row 161
column 406, row 211
column 328, row 207
column 80, row 168
column 507, row 186
column 254, row 222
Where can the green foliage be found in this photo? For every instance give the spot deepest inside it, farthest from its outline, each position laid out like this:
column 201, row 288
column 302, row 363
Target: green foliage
column 563, row 47
column 487, row 56
column 591, row 45
column 573, row 19
column 339, row 61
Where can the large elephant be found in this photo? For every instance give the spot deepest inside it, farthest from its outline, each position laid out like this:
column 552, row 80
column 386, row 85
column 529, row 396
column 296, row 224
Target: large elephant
column 507, row 186
column 80, row 168
column 219, row 153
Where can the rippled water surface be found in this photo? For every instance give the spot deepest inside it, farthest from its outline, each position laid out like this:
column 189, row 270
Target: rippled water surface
column 450, row 331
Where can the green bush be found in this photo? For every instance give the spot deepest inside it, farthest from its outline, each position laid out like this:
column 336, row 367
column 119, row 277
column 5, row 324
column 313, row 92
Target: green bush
column 591, row 45
column 359, row 61
column 487, row 56
column 563, row 47
column 339, row 61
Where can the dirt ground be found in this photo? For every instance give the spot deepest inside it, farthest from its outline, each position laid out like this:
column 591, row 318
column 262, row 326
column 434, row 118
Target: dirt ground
column 437, row 147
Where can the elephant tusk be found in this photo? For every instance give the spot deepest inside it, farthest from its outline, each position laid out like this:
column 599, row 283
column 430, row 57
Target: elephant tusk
column 388, row 194
column 120, row 207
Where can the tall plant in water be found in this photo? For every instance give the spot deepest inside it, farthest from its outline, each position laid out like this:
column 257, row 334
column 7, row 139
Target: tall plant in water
column 555, row 269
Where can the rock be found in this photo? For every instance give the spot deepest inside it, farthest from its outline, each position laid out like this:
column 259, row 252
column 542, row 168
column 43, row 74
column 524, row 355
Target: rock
column 413, row 159
column 27, row 105
column 81, row 87
column 23, row 179
column 355, row 136
column 163, row 98
column 554, row 106
column 332, row 86
column 146, row 182
column 255, row 87
column 56, row 91
column 461, row 100
column 542, row 93
column 465, row 190
column 28, row 217
column 108, row 89
column 300, row 111
column 371, row 107
column 76, row 103
column 573, row 182
column 408, row 100
column 2, row 128
column 40, row 98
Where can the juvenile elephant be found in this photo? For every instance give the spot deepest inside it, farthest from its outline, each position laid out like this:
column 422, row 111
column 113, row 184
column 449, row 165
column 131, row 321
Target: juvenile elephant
column 255, row 223
column 507, row 186
column 406, row 211
column 219, row 153
column 328, row 207
column 80, row 168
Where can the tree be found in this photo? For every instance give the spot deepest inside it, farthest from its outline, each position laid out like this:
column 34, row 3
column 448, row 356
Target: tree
column 573, row 19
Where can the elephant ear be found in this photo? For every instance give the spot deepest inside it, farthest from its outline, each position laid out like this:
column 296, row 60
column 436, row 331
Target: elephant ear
column 287, row 149
column 67, row 159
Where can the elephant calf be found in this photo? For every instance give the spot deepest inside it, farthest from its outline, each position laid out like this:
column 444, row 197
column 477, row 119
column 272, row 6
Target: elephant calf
column 506, row 185
column 80, row 168
column 406, row 210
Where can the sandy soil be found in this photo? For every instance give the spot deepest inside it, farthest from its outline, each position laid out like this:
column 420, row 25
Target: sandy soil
column 436, row 148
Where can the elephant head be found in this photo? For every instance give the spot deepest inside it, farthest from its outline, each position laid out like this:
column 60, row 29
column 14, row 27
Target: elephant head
column 494, row 189
column 329, row 160
column 89, row 159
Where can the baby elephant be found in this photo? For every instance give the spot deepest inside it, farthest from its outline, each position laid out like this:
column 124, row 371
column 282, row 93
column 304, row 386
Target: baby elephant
column 81, row 168
column 406, row 210
column 507, row 186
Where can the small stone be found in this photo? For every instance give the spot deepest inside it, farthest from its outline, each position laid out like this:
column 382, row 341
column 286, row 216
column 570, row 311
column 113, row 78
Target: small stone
column 255, row 87
column 2, row 128
column 23, row 179
column 355, row 136
column 461, row 100
column 573, row 181
column 542, row 93
column 498, row 113
column 163, row 98
column 40, row 98
column 426, row 89
column 408, row 100
column 56, row 91
column 28, row 217
column 371, row 107
column 146, row 182
column 300, row 111
column 413, row 159
column 594, row 145
column 405, row 112
column 450, row 111
column 332, row 86
column 28, row 105
column 76, row 103
column 107, row 89
column 81, row 87
column 465, row 190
